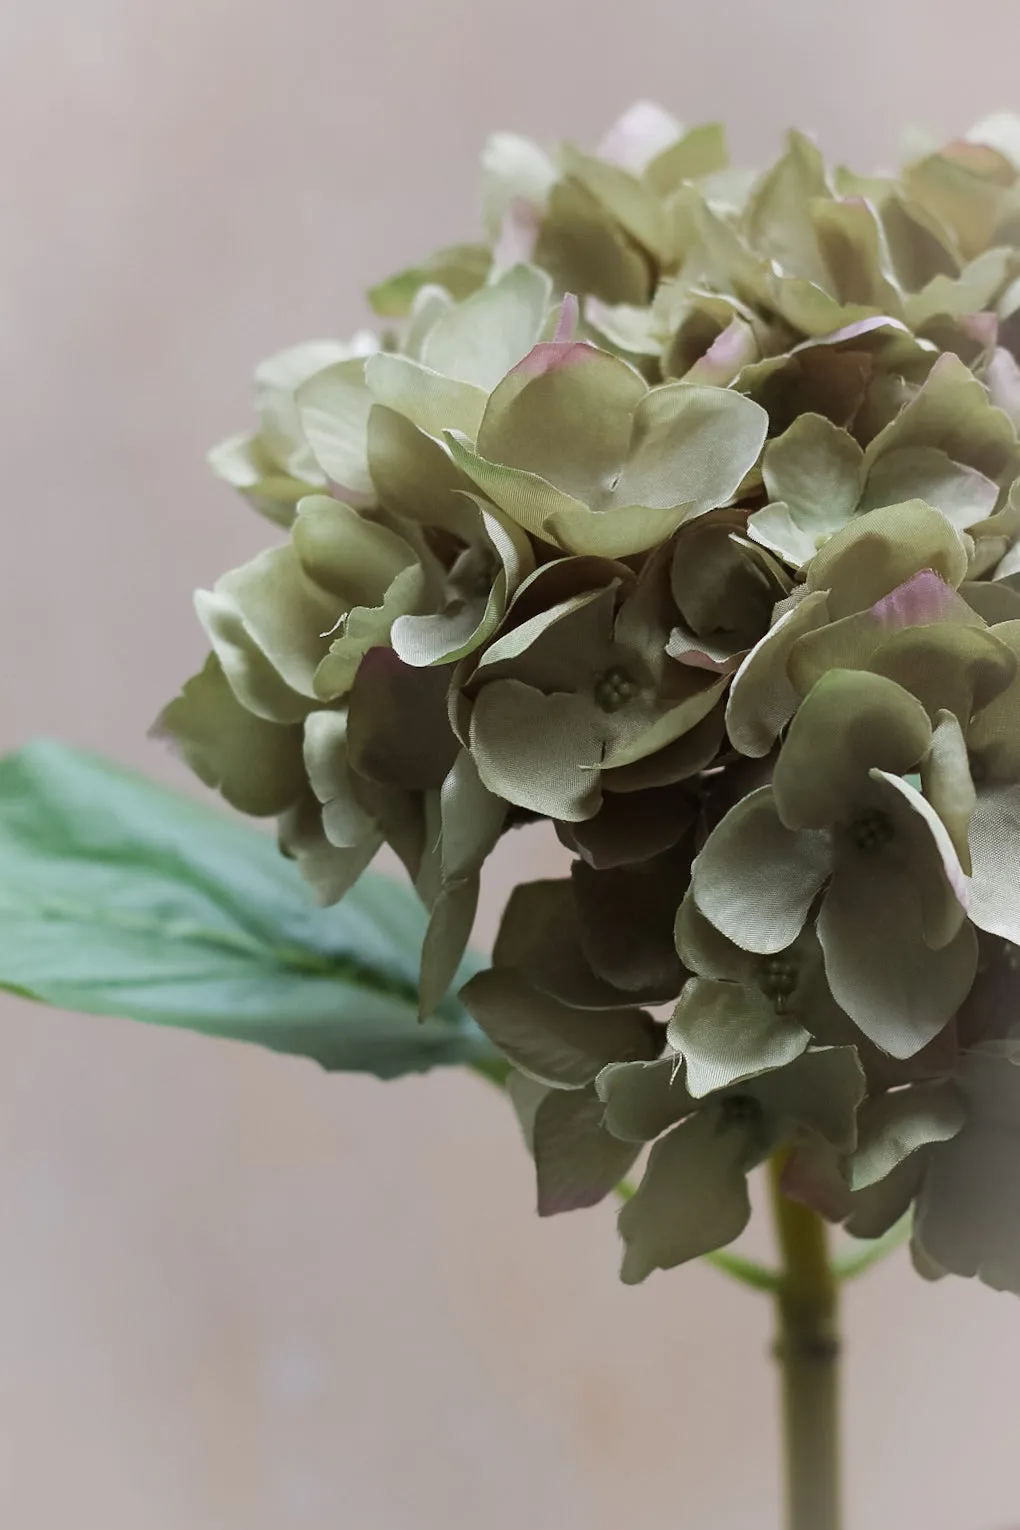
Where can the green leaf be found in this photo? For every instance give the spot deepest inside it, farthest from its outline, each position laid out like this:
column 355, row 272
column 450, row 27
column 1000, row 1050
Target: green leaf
column 118, row 897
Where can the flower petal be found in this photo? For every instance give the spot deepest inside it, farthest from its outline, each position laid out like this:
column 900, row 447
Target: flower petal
column 540, row 752
column 880, row 968
column 762, row 699
column 879, row 551
column 755, row 879
column 643, row 1099
column 556, row 1044
column 995, row 865
column 693, row 1197
column 577, row 1162
column 728, row 1032
column 849, row 722
column 255, row 765
column 479, row 340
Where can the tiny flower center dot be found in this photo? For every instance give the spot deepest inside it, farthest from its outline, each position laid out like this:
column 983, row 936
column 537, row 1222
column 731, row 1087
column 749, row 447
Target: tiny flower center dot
column 872, row 830
column 778, row 980
column 614, row 688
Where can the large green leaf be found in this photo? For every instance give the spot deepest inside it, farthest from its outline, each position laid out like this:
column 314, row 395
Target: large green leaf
column 118, row 897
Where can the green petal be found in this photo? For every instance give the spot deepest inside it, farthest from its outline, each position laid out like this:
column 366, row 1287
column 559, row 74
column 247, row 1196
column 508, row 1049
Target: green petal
column 278, row 380
column 631, row 827
column 464, row 624
column 995, row 878
column 707, row 951
column 556, row 1044
column 762, row 699
column 945, row 776
column 472, row 819
column 727, row 1032
column 432, row 402
column 778, row 222
column 690, row 446
column 460, row 268
column 513, row 170
column 566, row 417
column 755, row 879
column 479, row 340
column 957, row 297
column 364, row 628
column 950, row 663
column 333, row 408
column 816, row 470
column 345, row 553
column 850, row 722
column 329, row 871
column 893, row 1126
column 643, row 1099
column 634, row 734
column 968, row 1217
column 625, row 919
column 255, row 765
column 687, row 756
column 526, row 498
column 284, row 612
column 585, row 250
column 539, row 936
column 881, row 550
column 881, row 970
column 242, row 462
column 632, row 204
column 446, row 939
column 923, row 839
column 693, row 1197
column 577, row 1162
column 963, row 495
column 952, row 413
column 702, row 151
column 254, row 680
column 994, row 734
column 820, row 1090
column 345, row 821
column 539, row 752
column 397, row 728
column 414, row 477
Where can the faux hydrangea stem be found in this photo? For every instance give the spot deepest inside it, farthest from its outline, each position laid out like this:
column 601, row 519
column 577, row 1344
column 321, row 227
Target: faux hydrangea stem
column 807, row 1348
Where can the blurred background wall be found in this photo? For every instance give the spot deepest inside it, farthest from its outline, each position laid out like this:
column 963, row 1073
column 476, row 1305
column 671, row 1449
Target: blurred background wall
column 236, row 1294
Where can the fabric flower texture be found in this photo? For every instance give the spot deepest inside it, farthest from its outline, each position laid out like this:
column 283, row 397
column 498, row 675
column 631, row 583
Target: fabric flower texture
column 680, row 510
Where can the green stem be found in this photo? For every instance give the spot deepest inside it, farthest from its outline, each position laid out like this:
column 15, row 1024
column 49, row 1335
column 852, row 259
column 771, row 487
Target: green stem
column 807, row 1348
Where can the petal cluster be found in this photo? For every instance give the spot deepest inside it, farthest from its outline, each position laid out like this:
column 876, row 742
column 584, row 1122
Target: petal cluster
column 682, row 510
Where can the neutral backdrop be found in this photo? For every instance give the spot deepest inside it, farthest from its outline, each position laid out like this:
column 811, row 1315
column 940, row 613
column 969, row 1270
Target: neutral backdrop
column 235, row 1293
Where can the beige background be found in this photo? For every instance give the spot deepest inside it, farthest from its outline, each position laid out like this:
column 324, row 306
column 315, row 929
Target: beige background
column 238, row 1294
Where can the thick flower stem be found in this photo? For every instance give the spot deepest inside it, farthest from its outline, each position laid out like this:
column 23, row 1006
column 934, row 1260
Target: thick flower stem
column 807, row 1348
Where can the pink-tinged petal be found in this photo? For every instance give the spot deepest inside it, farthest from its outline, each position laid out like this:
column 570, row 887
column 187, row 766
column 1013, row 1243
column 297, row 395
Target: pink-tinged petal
column 728, row 354
column 517, row 234
column 855, row 331
column 356, row 498
column 638, row 136
column 1002, row 379
column 696, row 658
column 688, row 650
column 922, row 599
column 566, row 324
column 553, row 356
column 981, row 327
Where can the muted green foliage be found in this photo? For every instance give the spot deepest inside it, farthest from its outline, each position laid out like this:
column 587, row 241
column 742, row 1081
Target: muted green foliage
column 120, row 898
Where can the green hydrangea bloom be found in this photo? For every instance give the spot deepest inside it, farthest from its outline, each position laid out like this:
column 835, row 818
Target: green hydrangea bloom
column 682, row 510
